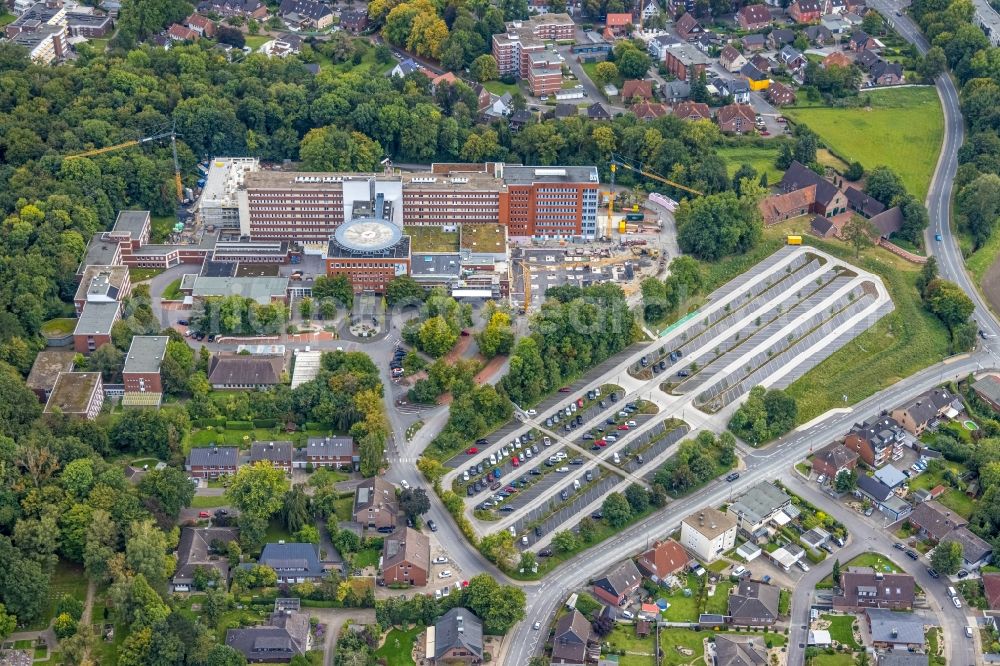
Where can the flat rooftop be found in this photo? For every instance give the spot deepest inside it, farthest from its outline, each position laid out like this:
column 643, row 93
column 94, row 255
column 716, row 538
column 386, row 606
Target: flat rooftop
column 528, row 175
column 116, row 276
column 72, row 392
column 436, row 265
column 212, row 268
column 256, row 270
column 310, row 180
column 146, row 353
column 47, row 366
column 133, row 222
column 400, row 250
column 491, row 238
column 100, row 252
column 432, row 239
column 260, row 289
column 225, row 177
column 97, row 318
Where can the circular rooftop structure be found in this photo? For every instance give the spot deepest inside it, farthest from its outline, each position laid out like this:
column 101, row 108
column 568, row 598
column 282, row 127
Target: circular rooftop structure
column 367, row 234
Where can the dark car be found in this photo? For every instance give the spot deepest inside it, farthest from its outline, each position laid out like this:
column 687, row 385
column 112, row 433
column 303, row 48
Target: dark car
column 597, row 515
column 912, row 554
column 386, row 530
column 182, row 322
column 538, row 532
column 576, row 461
column 683, row 373
column 432, row 525
column 732, row 477
column 962, row 573
column 545, row 552
column 587, row 435
column 506, row 509
column 662, row 365
column 898, row 546
column 469, row 490
column 933, row 573
column 535, row 472
column 614, row 397
column 482, row 442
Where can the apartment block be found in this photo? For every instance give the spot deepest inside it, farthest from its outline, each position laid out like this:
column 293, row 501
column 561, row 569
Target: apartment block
column 514, row 48
column 684, row 60
column 552, row 202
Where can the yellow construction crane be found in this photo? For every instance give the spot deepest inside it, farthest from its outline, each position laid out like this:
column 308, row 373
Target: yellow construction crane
column 172, row 133
column 619, row 162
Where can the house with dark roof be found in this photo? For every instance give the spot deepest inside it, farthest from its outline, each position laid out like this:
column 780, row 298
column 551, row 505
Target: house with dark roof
column 753, row 17
column 834, row 458
column 873, row 489
column 860, row 41
column 663, row 559
column 886, row 73
column 792, row 58
column 293, row 562
column 615, row 586
column 204, row 547
column 406, row 558
column 935, row 521
column 863, row 587
column 877, row 441
column 736, row 650
column 458, row 638
column 563, row 111
column 987, row 388
column 926, row 409
column 210, row 462
column 686, row 26
column 375, row 505
column 894, row 630
column 572, row 635
column 819, row 35
column 353, row 20
column 975, row 551
column 757, row 506
column 991, row 590
column 780, row 95
column 278, row 454
column 754, row 604
column 805, row 11
column 738, row 89
column 675, row 91
column 598, row 112
column 240, row 371
column 778, row 37
column 285, row 637
column 888, row 222
column 822, row 227
column 736, row 118
column 902, row 659
column 829, row 200
column 863, row 204
column 731, row 59
column 338, row 452
column 754, row 42
column 305, row 14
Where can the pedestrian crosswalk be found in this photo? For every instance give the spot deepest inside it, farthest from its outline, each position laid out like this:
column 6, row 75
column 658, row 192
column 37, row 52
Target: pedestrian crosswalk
column 411, row 409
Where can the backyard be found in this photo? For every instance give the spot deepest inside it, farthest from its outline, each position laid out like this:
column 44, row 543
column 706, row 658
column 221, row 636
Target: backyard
column 876, row 561
column 936, row 474
column 842, row 629
column 760, row 158
column 398, row 646
column 638, row 651
column 900, row 129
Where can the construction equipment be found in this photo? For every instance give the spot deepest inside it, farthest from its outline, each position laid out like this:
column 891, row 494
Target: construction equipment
column 616, row 162
column 172, row 133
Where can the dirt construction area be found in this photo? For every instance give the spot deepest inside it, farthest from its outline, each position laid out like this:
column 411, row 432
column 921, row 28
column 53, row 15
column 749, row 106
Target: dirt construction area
column 991, row 286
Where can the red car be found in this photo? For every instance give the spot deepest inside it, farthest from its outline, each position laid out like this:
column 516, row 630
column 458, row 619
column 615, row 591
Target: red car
column 472, row 450
column 564, row 389
column 601, row 442
column 623, row 427
column 465, row 583
column 515, row 461
column 579, row 403
column 203, row 514
column 510, row 489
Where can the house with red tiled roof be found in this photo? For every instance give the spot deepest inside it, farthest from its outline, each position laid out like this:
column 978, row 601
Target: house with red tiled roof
column 837, row 59
column 447, row 78
column 991, row 590
column 731, row 59
column 805, row 11
column 202, row 25
column 617, row 24
column 179, row 33
column 754, row 17
column 779, row 94
column 686, row 26
column 649, row 110
column 635, row 88
column 780, row 207
column 692, row 111
column 663, row 559
column 736, row 118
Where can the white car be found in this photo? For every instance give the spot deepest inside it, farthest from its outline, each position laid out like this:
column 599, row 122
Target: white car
column 437, row 594
column 957, row 602
column 627, row 614
column 546, row 441
column 802, row 565
column 536, row 626
column 404, row 484
column 562, row 470
column 440, row 560
column 739, row 571
column 630, row 424
column 445, row 574
column 465, row 476
column 532, row 412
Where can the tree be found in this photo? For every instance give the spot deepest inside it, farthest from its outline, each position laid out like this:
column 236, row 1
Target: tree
column 846, row 481
column 7, row 623
column 928, row 273
column 257, row 489
column 933, row 63
column 436, row 337
column 169, row 488
column 883, row 184
column 404, row 290
column 498, row 547
column 146, row 552
column 107, row 360
column 717, row 225
column 18, row 404
column 414, row 502
column 499, row 606
column 484, row 68
column 947, row 557
column 295, row 510
column 606, row 72
column 979, row 203
column 782, row 411
column 855, row 171
column 633, row 62
column 527, row 561
column 947, row 300
column 859, row 232
column 836, row 571
column 745, row 171
column 497, row 337
column 306, row 308
column 616, row 509
column 637, row 497
column 565, row 541
column 64, row 626
column 333, row 149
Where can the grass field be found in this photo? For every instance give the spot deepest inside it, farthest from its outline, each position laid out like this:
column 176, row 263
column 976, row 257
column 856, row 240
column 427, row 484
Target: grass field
column 342, row 507
column 6, row 17
column 671, row 639
column 160, row 227
column 838, row 659
column 367, row 558
column 256, row 41
column 432, row 239
column 398, row 646
column 208, row 501
column 719, row 602
column 637, row 650
column 876, row 561
column 898, row 345
column 62, row 326
column 67, row 578
column 499, row 88
column 841, row 629
column 172, row 292
column 761, row 159
column 902, row 129
column 137, row 274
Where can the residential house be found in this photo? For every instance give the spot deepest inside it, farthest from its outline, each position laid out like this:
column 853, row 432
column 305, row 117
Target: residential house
column 617, row 25
column 203, row 547
column 757, row 79
column 293, row 562
column 675, row 91
column 819, row 35
column 692, row 111
column 78, row 394
column 570, row 640
column 835, row 23
column 649, row 110
column 754, row 42
column 141, row 372
column 873, row 489
column 731, row 59
column 988, row 389
column 404, row 68
column 501, row 106
column 615, row 586
column 805, row 11
column 888, row 222
column 338, row 451
column 458, row 638
column 863, row 204
column 286, row 636
column 686, row 26
column 779, row 94
column 779, row 37
column 448, row 78
column 650, row 9
column 279, row 454
column 792, row 58
column 282, row 46
column 836, row 59
column 45, row 370
column 834, row 458
column 204, row 26
column 736, row 650
column 210, row 462
column 353, row 20
column 864, row 587
column 890, row 476
column 406, row 558
column 736, row 118
column 975, row 551
column 635, row 89
column 754, row 604
column 867, row 59
column 893, row 630
column 598, row 112
column 885, row 73
column 229, row 8
column 758, row 506
column 780, row 207
column 754, row 17
column 179, row 33
column 657, row 47
column 663, row 559
column 738, row 89
column 305, row 14
column 822, row 227
column 520, row 118
column 563, row 111
column 828, row 199
column 991, row 590
column 483, row 97
column 902, row 659
column 685, row 60
column 877, row 441
column 239, row 371
column 926, row 409
column 860, row 41
column 708, row 533
column 375, row 505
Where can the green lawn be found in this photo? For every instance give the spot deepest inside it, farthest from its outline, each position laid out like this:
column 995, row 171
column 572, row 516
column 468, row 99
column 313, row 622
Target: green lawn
column 841, row 629
column 682, row 608
column 56, row 327
column 874, row 560
column 674, row 637
column 172, row 292
column 208, row 501
column 638, row 651
column 343, row 507
column 276, row 532
column 903, row 129
column 367, row 558
column 719, row 602
column 137, row 274
column 934, row 476
column 760, row 158
column 958, row 502
column 398, row 646
column 590, row 69
column 432, row 239
column 67, row 578
column 980, row 261
column 837, row 659
column 256, row 41
column 898, row 345
column 6, row 17
column 499, row 88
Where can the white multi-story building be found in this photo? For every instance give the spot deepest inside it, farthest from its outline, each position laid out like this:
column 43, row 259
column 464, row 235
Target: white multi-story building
column 708, row 533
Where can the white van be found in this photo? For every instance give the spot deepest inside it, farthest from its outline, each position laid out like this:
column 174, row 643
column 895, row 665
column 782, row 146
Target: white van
column 952, row 592
column 576, row 485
